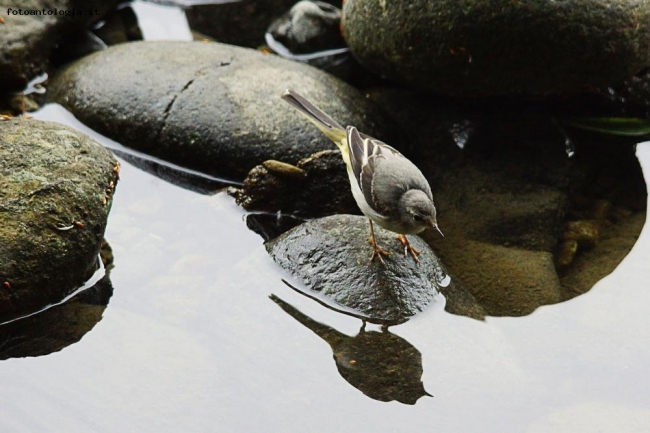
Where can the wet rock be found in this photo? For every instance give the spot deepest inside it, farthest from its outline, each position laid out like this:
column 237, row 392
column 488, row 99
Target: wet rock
column 322, row 189
column 566, row 252
column 119, row 26
column 483, row 48
column 56, row 189
column 505, row 281
column 593, row 265
column 585, row 233
column 27, row 41
column 311, row 33
column 630, row 98
column 331, row 256
column 504, row 188
column 270, row 226
column 242, row 23
column 210, row 107
column 461, row 301
column 309, row 26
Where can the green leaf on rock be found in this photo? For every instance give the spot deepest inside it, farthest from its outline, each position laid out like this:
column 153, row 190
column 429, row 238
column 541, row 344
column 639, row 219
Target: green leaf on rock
column 629, row 127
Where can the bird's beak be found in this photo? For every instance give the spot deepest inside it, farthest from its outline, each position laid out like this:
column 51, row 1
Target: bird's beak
column 435, row 226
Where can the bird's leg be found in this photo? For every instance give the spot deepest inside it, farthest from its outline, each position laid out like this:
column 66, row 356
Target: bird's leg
column 376, row 250
column 408, row 248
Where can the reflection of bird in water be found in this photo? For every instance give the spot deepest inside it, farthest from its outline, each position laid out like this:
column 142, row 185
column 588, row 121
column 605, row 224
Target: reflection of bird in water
column 382, row 365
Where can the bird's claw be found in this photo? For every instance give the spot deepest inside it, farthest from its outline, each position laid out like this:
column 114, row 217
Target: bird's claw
column 377, row 251
column 408, row 249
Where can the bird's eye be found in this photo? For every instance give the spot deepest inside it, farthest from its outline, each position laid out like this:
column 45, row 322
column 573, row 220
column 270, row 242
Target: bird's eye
column 417, row 218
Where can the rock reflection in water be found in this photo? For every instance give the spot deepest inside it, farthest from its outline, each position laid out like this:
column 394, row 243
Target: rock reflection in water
column 179, row 176
column 270, row 226
column 58, row 327
column 382, row 365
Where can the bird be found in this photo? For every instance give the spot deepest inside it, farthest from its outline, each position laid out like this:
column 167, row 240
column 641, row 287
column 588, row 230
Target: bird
column 388, row 188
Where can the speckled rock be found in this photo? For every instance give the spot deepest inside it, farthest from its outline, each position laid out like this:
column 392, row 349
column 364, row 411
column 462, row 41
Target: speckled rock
column 26, row 41
column 56, row 187
column 331, row 256
column 207, row 106
column 492, row 47
column 506, row 281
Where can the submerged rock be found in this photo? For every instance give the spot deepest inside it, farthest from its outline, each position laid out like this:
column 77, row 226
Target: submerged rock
column 507, row 192
column 26, row 41
column 492, row 47
column 595, row 264
column 505, row 281
column 331, row 256
column 56, row 188
column 207, row 106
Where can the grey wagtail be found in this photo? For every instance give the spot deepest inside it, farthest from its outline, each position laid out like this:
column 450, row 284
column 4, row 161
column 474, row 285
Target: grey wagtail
column 388, row 188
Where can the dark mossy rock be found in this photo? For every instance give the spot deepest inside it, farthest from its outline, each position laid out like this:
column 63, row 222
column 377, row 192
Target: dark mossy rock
column 315, row 187
column 26, row 41
column 492, row 47
column 207, row 106
column 56, row 186
column 331, row 256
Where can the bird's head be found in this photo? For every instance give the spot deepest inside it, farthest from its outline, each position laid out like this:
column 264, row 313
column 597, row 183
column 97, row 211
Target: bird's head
column 417, row 212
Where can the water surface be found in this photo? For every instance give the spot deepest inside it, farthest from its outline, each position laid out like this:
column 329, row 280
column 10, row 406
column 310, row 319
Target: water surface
column 191, row 341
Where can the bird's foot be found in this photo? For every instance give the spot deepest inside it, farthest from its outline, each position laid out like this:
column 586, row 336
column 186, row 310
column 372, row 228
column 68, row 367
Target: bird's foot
column 408, row 249
column 377, row 251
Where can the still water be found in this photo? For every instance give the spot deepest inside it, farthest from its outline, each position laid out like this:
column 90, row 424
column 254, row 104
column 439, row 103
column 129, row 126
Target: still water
column 201, row 335
column 192, row 341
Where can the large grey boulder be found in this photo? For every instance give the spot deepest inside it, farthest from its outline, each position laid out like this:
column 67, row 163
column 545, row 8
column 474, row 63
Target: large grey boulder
column 56, row 187
column 207, row 106
column 496, row 47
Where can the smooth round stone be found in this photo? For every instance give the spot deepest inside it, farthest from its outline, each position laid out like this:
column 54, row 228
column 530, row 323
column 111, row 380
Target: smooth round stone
column 331, row 256
column 494, row 47
column 207, row 106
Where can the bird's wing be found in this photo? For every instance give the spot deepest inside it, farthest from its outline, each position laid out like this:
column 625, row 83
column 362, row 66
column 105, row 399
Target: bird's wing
column 365, row 154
